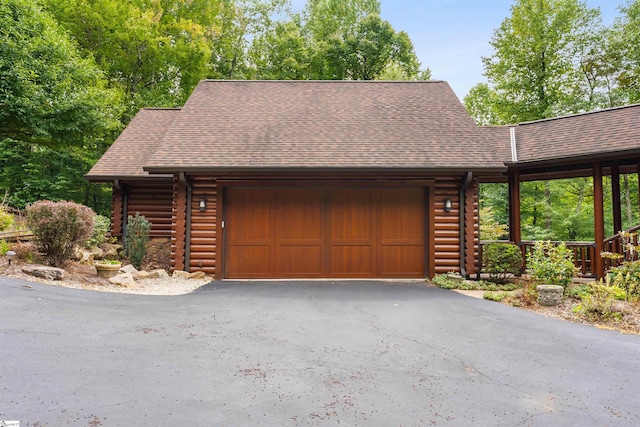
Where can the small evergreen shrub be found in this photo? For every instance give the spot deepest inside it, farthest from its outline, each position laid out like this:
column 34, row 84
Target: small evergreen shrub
column 551, row 264
column 58, row 227
column 136, row 239
column 101, row 230
column 501, row 260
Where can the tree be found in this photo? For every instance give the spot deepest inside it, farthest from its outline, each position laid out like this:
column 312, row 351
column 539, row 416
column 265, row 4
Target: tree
column 154, row 51
column 534, row 72
column 49, row 94
column 55, row 109
column 627, row 30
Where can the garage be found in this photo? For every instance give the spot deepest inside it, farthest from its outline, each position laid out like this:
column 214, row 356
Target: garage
column 324, row 233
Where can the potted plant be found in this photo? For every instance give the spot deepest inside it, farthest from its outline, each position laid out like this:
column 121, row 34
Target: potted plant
column 107, row 268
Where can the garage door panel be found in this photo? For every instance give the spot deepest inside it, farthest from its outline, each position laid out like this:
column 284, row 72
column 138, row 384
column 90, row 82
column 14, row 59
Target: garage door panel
column 351, row 261
column 301, row 261
column 402, row 261
column 351, row 215
column 299, row 214
column 250, row 214
column 249, row 262
column 402, row 214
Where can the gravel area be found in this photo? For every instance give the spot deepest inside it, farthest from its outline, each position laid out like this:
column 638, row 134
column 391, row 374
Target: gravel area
column 84, row 277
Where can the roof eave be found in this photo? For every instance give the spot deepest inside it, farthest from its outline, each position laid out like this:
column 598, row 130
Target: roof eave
column 302, row 169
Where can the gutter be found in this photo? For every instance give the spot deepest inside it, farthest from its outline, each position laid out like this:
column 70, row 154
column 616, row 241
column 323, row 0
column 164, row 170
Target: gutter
column 187, row 239
column 463, row 192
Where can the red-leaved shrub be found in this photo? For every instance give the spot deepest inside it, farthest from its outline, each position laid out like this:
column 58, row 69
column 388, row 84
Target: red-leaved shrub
column 58, row 227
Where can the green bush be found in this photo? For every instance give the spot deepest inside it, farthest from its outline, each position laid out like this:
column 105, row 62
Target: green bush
column 445, row 282
column 501, row 260
column 4, row 247
column 6, row 219
column 551, row 264
column 58, row 227
column 492, row 296
column 598, row 305
column 627, row 277
column 101, row 230
column 136, row 239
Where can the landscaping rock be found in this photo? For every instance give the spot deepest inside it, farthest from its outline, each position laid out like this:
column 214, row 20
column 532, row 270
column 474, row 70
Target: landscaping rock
column 86, row 258
column 180, row 273
column 550, row 295
column 197, row 275
column 142, row 274
column 44, row 272
column 110, row 250
column 123, row 279
column 129, row 269
column 158, row 274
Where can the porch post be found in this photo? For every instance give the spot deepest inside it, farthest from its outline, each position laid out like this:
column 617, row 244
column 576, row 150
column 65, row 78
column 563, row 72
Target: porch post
column 514, row 206
column 598, row 220
column 615, row 199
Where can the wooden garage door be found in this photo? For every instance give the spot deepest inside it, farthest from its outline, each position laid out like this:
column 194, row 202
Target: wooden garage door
column 306, row 233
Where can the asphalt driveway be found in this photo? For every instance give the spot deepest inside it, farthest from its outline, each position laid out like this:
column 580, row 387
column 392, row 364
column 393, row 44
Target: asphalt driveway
column 304, row 353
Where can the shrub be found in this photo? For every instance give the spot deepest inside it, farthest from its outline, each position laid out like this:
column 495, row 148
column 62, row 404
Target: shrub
column 599, row 304
column 501, row 260
column 627, row 277
column 492, row 296
column 136, row 239
column 551, row 264
column 6, row 220
column 4, row 247
column 100, row 233
column 58, row 227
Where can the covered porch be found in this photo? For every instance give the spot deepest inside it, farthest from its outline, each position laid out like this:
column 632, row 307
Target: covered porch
column 591, row 145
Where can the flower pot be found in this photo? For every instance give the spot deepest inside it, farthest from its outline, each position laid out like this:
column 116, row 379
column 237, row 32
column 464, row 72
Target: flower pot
column 107, row 270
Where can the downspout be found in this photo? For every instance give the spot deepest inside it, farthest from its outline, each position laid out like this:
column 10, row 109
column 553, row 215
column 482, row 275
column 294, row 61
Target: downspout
column 463, row 192
column 187, row 238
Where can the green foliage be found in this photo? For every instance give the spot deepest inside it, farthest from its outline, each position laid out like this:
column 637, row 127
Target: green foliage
column 501, row 260
column 535, row 71
column 136, row 239
column 58, row 227
column 4, row 247
column 551, row 264
column 6, row 219
column 445, row 281
column 101, row 230
column 627, row 277
column 599, row 303
column 50, row 94
column 490, row 228
column 493, row 296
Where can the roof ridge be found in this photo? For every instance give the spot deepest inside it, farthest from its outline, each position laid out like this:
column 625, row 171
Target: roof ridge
column 585, row 113
column 321, row 81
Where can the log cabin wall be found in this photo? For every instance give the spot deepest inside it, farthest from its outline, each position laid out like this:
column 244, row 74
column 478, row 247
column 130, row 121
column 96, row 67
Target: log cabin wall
column 203, row 243
column 178, row 223
column 472, row 230
column 117, row 200
column 447, row 225
column 154, row 201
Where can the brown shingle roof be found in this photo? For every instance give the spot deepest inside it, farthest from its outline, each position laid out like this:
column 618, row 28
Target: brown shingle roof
column 610, row 131
column 243, row 125
column 499, row 138
column 135, row 145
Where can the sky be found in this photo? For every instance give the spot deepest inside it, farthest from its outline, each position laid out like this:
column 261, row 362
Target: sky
column 451, row 36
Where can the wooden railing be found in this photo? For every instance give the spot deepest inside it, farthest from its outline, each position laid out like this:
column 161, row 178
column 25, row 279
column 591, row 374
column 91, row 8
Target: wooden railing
column 616, row 245
column 583, row 254
column 16, row 236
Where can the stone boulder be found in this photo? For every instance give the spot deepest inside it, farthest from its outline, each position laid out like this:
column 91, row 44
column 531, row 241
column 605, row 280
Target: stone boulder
column 197, row 275
column 123, row 279
column 181, row 274
column 158, row 274
column 550, row 295
column 142, row 275
column 129, row 269
column 44, row 272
